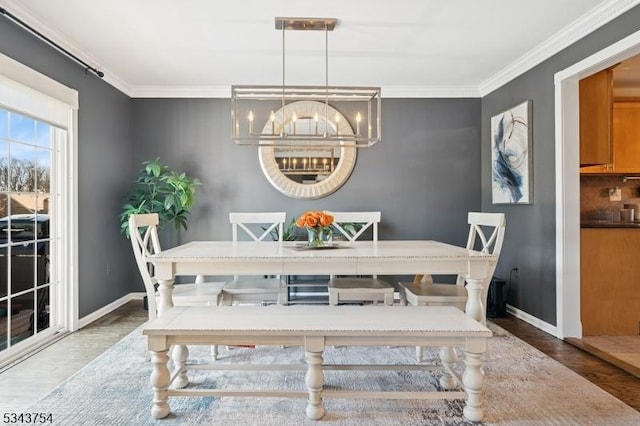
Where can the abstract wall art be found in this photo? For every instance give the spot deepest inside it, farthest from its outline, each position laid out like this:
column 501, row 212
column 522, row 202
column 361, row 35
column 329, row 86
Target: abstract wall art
column 511, row 155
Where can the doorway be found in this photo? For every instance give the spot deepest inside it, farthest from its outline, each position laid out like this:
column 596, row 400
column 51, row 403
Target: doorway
column 568, row 182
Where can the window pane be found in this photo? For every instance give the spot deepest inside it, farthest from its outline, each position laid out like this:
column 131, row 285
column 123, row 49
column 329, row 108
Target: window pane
column 42, row 263
column 22, row 168
column 22, row 227
column 4, row 325
column 22, row 268
column 43, row 134
column 43, row 171
column 21, row 317
column 43, row 308
column 4, row 165
column 4, row 123
column 43, row 205
column 22, row 128
column 4, row 281
column 4, row 211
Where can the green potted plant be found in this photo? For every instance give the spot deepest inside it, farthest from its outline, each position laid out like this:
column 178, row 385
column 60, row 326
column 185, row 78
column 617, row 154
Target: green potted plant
column 159, row 189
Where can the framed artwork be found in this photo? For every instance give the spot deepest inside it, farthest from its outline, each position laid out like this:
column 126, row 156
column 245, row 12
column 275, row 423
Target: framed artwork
column 511, row 155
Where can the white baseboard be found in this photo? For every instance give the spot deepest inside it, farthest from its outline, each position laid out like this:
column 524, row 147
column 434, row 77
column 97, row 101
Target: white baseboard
column 536, row 322
column 84, row 321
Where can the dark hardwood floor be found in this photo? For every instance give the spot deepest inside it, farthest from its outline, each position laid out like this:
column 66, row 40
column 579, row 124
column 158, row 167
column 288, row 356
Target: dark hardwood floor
column 609, row 378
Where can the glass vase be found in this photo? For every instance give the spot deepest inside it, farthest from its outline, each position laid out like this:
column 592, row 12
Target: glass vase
column 319, row 237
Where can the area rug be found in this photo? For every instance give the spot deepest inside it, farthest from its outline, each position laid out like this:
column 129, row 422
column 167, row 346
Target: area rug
column 522, row 387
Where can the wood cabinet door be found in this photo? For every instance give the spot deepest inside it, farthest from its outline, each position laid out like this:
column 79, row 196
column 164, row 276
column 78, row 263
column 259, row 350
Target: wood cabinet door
column 609, row 271
column 626, row 137
column 596, row 105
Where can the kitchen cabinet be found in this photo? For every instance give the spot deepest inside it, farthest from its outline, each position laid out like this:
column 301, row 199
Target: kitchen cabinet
column 596, row 112
column 626, row 141
column 626, row 137
column 609, row 285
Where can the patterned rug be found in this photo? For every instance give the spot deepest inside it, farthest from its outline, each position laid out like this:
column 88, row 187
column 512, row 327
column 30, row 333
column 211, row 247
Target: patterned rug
column 522, row 387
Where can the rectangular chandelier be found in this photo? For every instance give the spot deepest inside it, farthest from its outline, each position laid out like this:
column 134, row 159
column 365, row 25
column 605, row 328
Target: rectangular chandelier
column 312, row 116
column 260, row 115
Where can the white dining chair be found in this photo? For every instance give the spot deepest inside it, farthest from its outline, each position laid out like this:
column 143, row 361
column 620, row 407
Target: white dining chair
column 256, row 226
column 143, row 232
column 358, row 289
column 486, row 234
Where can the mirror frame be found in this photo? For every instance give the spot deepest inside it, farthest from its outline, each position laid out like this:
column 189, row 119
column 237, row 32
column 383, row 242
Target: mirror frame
column 290, row 188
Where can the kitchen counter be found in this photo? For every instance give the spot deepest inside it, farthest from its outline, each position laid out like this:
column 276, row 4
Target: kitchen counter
column 609, row 224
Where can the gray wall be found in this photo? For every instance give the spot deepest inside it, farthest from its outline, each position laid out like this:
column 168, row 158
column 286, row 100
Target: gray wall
column 531, row 231
column 105, row 167
column 423, row 176
column 430, row 169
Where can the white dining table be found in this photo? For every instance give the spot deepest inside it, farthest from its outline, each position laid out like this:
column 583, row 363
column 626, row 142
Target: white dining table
column 386, row 257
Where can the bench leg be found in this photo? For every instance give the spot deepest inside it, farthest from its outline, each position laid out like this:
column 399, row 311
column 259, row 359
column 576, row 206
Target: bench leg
column 214, row 352
column 473, row 378
column 448, row 358
column 160, row 381
column 388, row 299
column 333, row 297
column 179, row 356
column 314, row 380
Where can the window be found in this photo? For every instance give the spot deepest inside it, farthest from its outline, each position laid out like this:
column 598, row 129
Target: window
column 26, row 148
column 37, row 212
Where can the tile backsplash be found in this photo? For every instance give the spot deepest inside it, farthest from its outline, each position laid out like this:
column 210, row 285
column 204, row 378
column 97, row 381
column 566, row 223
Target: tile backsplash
column 594, row 196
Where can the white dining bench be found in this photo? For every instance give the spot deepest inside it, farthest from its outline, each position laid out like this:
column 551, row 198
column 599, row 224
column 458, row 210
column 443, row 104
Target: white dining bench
column 314, row 328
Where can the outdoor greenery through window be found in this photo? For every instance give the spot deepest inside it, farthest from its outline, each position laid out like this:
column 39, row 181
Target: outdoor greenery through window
column 26, row 152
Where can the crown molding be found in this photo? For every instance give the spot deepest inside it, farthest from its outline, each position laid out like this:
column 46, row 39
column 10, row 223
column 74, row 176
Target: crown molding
column 225, row 92
column 37, row 23
column 181, row 92
column 586, row 24
column 429, row 92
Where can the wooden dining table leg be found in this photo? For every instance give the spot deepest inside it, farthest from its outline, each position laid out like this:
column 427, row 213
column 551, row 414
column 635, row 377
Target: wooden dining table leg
column 474, row 307
column 165, row 288
column 179, row 356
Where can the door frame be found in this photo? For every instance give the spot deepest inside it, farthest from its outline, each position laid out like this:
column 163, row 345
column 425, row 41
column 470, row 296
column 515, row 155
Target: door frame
column 568, row 179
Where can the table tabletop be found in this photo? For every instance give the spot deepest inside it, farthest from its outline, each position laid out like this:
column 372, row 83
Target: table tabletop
column 386, row 257
column 359, row 257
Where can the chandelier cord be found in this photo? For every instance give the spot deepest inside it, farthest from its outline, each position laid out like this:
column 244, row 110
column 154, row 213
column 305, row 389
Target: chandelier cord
column 32, row 30
column 326, row 74
column 283, row 82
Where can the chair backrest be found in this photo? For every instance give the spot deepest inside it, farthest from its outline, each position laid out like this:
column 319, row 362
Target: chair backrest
column 269, row 221
column 365, row 219
column 486, row 234
column 143, row 232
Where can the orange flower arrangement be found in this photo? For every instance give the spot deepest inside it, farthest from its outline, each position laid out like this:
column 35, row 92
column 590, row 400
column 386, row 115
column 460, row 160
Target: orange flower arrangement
column 314, row 220
column 318, row 225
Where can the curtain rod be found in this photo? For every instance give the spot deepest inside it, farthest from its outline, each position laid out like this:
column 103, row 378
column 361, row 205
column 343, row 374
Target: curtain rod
column 26, row 26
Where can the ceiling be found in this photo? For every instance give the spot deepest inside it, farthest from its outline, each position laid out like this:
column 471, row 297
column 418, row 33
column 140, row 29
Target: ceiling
column 410, row 48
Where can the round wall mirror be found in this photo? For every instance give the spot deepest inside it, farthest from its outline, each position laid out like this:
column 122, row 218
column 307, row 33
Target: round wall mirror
column 307, row 171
